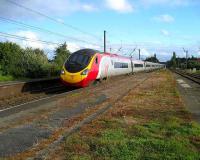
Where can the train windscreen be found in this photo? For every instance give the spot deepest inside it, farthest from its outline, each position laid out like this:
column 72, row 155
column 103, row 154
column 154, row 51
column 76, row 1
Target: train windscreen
column 79, row 60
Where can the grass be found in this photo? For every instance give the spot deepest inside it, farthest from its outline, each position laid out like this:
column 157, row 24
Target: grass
column 150, row 123
column 6, row 78
column 191, row 71
column 153, row 140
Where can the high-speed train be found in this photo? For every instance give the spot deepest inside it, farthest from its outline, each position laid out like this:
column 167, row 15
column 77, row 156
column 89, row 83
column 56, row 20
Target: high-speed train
column 85, row 66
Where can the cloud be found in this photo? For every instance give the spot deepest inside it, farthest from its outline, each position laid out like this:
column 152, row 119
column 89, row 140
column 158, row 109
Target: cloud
column 50, row 7
column 72, row 47
column 164, row 18
column 59, row 8
column 149, row 3
column 145, row 52
column 165, row 32
column 198, row 53
column 88, row 8
column 31, row 35
column 48, row 48
column 33, row 43
column 123, row 6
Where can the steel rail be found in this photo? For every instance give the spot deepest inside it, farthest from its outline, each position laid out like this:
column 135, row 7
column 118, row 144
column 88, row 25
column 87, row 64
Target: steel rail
column 188, row 76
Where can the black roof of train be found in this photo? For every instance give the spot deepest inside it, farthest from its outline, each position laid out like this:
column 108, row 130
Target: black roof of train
column 86, row 51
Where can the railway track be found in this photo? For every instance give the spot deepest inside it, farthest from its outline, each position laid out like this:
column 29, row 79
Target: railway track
column 12, row 109
column 18, row 93
column 24, row 101
column 14, row 88
column 193, row 77
column 16, row 96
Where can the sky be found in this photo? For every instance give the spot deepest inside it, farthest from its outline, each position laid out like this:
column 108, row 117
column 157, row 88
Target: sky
column 153, row 26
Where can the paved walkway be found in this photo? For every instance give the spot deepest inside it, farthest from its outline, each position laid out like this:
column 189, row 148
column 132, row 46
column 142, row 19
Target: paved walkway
column 190, row 92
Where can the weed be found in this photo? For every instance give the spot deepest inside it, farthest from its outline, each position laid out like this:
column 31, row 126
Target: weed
column 6, row 78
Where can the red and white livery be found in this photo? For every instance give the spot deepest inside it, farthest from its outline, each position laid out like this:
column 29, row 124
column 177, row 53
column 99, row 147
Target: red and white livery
column 86, row 66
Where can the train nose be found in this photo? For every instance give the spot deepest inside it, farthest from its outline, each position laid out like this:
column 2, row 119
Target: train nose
column 71, row 77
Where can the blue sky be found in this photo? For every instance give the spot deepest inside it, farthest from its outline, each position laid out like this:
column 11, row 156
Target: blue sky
column 154, row 26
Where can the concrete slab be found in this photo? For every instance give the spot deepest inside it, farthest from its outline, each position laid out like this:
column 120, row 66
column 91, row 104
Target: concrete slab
column 190, row 92
column 17, row 140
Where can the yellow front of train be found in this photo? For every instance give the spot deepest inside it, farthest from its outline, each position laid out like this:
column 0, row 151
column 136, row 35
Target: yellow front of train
column 76, row 68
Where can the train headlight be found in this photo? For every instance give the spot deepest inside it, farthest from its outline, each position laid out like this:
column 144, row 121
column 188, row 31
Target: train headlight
column 62, row 72
column 85, row 72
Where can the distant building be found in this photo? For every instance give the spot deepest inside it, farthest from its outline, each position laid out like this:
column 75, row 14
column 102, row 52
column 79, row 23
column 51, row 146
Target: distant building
column 198, row 60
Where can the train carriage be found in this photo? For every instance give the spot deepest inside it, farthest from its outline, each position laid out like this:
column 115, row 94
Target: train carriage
column 87, row 65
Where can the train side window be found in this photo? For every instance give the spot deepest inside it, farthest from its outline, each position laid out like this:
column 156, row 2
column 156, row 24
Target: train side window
column 120, row 65
column 138, row 65
column 96, row 60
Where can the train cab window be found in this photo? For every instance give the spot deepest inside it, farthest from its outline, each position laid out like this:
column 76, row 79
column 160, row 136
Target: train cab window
column 82, row 59
column 85, row 60
column 79, row 60
column 73, row 58
column 96, row 60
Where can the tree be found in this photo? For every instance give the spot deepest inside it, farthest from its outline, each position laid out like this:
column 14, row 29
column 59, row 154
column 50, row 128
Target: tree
column 35, row 63
column 29, row 62
column 152, row 59
column 61, row 54
column 10, row 57
column 193, row 64
column 173, row 60
column 19, row 62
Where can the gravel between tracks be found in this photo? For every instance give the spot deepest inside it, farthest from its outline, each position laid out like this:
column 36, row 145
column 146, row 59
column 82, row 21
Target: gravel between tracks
column 25, row 97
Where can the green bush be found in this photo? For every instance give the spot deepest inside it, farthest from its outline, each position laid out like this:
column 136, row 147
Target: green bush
column 6, row 78
column 30, row 63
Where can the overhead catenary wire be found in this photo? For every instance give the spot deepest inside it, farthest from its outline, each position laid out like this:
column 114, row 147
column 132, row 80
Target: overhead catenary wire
column 151, row 47
column 45, row 30
column 7, row 35
column 53, row 19
column 129, row 51
column 2, row 34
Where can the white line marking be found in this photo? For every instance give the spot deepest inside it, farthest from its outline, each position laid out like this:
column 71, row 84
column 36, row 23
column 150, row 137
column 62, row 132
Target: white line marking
column 180, row 81
column 183, row 83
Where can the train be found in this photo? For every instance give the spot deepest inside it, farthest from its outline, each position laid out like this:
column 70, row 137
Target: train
column 86, row 66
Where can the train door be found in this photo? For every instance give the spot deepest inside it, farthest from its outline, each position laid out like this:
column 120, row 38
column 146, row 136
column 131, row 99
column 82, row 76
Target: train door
column 104, row 67
column 111, row 67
